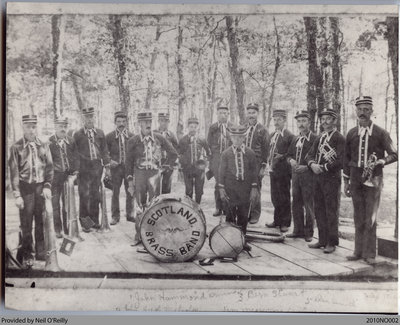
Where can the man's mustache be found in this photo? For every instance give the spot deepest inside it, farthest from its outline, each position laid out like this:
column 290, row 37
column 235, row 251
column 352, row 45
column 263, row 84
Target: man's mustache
column 362, row 115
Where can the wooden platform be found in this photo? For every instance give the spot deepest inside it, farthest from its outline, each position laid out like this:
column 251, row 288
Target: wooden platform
column 111, row 253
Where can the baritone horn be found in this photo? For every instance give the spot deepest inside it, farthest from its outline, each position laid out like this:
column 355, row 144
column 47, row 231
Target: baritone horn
column 368, row 170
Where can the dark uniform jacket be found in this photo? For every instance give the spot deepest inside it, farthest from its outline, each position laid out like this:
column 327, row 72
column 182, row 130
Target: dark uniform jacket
column 70, row 152
column 21, row 168
column 136, row 154
column 329, row 154
column 257, row 139
column 300, row 146
column 185, row 151
column 376, row 140
column 112, row 140
column 171, row 138
column 229, row 176
column 218, row 143
column 82, row 144
column 283, row 139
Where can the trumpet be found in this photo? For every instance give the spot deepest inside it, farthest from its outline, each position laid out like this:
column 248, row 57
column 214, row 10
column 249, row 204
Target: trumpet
column 369, row 169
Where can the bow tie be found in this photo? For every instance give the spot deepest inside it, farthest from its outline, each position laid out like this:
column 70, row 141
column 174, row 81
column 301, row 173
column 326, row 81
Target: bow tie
column 238, row 149
column 119, row 133
column 61, row 142
column 192, row 138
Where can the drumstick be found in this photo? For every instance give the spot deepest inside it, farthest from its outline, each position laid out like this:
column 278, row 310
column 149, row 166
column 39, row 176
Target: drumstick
column 248, row 214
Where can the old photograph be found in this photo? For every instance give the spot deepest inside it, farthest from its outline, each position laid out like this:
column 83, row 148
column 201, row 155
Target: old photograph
column 203, row 158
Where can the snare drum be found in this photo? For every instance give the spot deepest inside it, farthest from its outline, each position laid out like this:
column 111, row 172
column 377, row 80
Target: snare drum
column 227, row 240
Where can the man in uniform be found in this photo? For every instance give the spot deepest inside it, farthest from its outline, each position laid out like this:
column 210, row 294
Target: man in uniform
column 116, row 143
column 65, row 162
column 325, row 159
column 31, row 173
column 302, row 179
column 257, row 139
column 238, row 178
column 364, row 160
column 218, row 140
column 280, row 171
column 166, row 175
column 93, row 155
column 193, row 153
column 143, row 163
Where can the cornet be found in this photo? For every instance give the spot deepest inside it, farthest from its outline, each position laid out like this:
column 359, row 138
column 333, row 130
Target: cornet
column 368, row 170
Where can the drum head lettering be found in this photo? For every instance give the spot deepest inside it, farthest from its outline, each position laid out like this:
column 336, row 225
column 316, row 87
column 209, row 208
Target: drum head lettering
column 173, row 229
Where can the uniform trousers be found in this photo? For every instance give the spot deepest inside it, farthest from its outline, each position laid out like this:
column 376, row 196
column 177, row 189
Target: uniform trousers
column 89, row 189
column 326, row 207
column 117, row 177
column 166, row 181
column 280, row 197
column 194, row 177
column 147, row 186
column 237, row 210
column 33, row 209
column 57, row 189
column 366, row 201
column 214, row 167
column 303, row 203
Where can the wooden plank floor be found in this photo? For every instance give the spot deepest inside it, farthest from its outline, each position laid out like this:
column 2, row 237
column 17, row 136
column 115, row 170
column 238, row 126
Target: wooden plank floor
column 112, row 252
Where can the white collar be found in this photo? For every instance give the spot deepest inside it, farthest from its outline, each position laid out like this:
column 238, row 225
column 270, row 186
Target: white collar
column 329, row 134
column 86, row 130
column 147, row 137
column 368, row 128
column 281, row 132
column 308, row 136
column 26, row 142
column 64, row 139
column 124, row 132
column 242, row 148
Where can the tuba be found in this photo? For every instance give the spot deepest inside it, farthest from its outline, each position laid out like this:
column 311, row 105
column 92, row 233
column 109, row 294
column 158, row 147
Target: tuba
column 368, row 170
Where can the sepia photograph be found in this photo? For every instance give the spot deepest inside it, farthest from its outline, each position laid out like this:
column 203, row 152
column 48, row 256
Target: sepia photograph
column 201, row 158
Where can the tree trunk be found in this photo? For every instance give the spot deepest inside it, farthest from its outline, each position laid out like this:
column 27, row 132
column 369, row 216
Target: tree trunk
column 150, row 76
column 276, row 68
column 57, row 33
column 78, row 94
column 237, row 71
column 387, row 91
column 360, row 85
column 232, row 99
column 336, row 101
column 393, row 43
column 344, row 108
column 313, row 69
column 118, row 35
column 181, row 83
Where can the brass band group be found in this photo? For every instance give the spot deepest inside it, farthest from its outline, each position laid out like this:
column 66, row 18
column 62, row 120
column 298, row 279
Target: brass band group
column 306, row 172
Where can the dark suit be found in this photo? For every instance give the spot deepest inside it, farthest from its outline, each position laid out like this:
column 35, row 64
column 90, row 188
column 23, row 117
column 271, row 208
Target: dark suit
column 29, row 175
column 366, row 196
column 167, row 173
column 302, row 187
column 280, row 175
column 91, row 161
column 257, row 138
column 191, row 149
column 117, row 148
column 218, row 141
column 65, row 162
column 327, row 184
column 238, row 188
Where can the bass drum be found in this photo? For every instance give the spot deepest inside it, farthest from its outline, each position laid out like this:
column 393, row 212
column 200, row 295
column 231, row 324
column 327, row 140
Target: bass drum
column 227, row 240
column 173, row 228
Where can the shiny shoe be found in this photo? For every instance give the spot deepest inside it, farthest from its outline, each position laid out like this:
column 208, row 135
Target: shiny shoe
column 59, row 235
column 136, row 242
column 84, row 229
column 307, row 239
column 329, row 249
column 271, row 225
column 130, row 219
column 284, row 229
column 96, row 226
column 217, row 213
column 370, row 260
column 114, row 221
column 247, row 247
column 353, row 257
column 316, row 245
